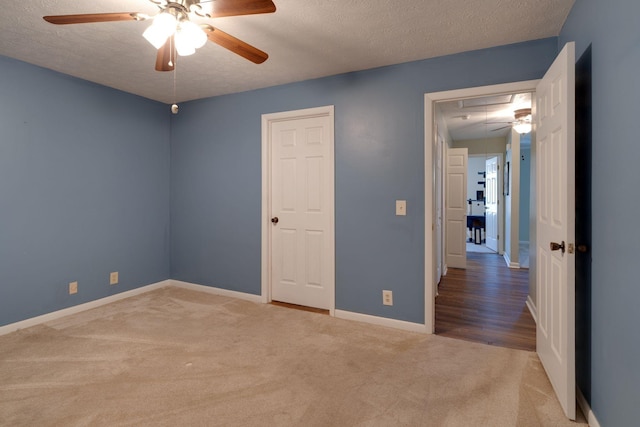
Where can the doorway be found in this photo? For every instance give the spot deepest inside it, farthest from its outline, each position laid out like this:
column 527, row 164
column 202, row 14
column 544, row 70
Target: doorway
column 436, row 128
column 484, row 126
column 484, row 297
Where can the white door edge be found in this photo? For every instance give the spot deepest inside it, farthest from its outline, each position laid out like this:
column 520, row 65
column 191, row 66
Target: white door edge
column 501, row 214
column 265, row 261
column 429, row 166
column 502, row 219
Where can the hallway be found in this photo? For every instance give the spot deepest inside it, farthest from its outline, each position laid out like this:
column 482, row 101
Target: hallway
column 486, row 303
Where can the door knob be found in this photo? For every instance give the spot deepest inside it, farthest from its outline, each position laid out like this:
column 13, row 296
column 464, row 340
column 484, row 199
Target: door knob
column 583, row 248
column 274, row 220
column 557, row 246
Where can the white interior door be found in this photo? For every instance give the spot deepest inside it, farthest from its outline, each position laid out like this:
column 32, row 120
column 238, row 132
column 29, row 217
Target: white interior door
column 456, row 207
column 555, row 221
column 492, row 170
column 302, row 211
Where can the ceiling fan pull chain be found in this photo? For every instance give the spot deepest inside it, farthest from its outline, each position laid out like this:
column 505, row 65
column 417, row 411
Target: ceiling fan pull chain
column 174, row 106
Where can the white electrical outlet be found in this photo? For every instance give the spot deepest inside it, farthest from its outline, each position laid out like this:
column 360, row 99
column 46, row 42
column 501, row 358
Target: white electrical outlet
column 113, row 278
column 387, row 297
column 73, row 288
column 401, row 207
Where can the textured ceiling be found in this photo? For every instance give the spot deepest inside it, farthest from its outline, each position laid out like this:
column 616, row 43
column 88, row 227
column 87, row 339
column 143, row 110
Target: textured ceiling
column 304, row 39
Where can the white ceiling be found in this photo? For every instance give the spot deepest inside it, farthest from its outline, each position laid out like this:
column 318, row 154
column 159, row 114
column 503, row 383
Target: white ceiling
column 305, row 39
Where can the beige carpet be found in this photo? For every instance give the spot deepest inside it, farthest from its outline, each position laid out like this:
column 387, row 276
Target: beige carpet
column 175, row 357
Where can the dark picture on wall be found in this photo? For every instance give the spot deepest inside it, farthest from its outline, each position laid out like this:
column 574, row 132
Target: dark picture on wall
column 506, row 179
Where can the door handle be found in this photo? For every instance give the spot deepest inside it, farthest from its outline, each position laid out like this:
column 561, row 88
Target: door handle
column 557, row 246
column 274, row 220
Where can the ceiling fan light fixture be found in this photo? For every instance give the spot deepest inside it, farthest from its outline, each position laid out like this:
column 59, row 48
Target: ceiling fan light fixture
column 523, row 120
column 184, row 45
column 163, row 26
column 194, row 33
column 522, row 127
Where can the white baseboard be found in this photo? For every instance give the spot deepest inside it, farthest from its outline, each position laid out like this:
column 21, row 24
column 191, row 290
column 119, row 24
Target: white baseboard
column 586, row 410
column 341, row 314
column 510, row 264
column 532, row 309
column 381, row 321
column 217, row 291
column 12, row 327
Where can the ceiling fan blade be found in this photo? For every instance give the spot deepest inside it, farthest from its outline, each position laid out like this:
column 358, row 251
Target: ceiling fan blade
column 503, row 127
column 92, row 17
column 165, row 61
column 241, row 7
column 235, row 45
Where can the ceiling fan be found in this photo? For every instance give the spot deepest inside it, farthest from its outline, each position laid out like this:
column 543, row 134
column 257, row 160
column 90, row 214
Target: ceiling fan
column 173, row 32
column 522, row 123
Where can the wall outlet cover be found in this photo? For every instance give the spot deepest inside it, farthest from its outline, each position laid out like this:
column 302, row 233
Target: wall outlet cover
column 387, row 297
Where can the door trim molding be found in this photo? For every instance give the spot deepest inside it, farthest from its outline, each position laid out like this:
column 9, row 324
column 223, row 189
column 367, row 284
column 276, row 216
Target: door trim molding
column 267, row 121
column 429, row 167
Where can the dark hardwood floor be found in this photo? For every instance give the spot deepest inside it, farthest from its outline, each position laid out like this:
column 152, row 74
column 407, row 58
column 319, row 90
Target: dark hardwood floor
column 486, row 303
column 300, row 307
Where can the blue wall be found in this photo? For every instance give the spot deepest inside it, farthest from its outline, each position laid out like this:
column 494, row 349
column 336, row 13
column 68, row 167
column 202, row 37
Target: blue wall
column 612, row 29
column 84, row 190
column 379, row 138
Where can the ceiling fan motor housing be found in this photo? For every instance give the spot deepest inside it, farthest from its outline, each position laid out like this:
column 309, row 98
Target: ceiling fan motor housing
column 522, row 113
column 183, row 7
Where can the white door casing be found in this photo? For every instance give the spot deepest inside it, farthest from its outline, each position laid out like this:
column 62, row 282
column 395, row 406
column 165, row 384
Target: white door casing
column 456, row 207
column 555, row 222
column 298, row 250
column 492, row 197
column 439, row 177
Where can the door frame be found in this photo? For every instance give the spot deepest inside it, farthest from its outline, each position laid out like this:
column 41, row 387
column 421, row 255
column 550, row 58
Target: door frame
column 430, row 138
column 266, row 226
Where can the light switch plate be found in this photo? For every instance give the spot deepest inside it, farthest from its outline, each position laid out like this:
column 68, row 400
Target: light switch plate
column 401, row 207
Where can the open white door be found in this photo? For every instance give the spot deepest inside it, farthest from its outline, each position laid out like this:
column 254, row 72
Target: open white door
column 456, row 208
column 555, row 221
column 491, row 203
